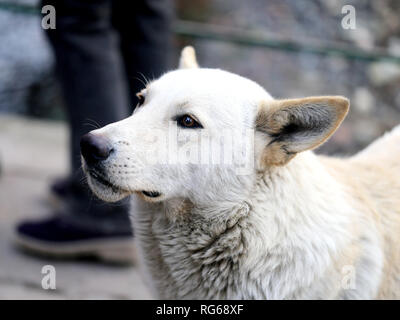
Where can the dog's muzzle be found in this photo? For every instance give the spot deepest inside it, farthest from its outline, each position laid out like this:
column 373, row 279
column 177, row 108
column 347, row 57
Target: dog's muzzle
column 95, row 150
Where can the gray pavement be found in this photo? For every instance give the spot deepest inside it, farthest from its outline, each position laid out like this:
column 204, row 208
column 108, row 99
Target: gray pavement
column 32, row 153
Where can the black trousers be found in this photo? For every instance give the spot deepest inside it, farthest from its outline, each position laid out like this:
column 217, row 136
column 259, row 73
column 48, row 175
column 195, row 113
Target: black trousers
column 104, row 49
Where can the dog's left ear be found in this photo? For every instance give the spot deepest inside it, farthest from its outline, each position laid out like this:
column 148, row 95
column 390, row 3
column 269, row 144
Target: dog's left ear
column 188, row 58
column 296, row 125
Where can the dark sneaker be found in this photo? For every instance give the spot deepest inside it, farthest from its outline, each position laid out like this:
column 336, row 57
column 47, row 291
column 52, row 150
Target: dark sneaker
column 63, row 189
column 58, row 237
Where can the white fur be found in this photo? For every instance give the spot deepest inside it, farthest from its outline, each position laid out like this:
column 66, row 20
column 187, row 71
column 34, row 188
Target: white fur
column 285, row 232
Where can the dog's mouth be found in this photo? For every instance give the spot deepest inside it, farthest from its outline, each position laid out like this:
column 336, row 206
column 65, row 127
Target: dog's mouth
column 151, row 194
column 102, row 180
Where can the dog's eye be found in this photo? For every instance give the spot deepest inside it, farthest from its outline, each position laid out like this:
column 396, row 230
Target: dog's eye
column 187, row 121
column 141, row 98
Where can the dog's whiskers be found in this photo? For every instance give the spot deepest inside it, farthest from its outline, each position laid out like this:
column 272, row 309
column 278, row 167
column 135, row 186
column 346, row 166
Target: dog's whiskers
column 93, row 123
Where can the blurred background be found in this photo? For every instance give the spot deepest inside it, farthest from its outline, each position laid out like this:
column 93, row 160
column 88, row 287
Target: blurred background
column 292, row 48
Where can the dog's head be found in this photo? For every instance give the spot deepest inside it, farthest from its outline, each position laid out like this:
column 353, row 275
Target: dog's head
column 203, row 134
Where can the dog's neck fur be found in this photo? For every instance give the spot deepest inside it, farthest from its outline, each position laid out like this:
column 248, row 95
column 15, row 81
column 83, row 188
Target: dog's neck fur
column 268, row 240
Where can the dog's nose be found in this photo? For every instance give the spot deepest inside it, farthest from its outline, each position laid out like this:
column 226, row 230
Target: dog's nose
column 95, row 148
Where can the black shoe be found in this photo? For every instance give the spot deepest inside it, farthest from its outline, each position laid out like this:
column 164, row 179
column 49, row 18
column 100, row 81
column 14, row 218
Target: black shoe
column 58, row 237
column 64, row 189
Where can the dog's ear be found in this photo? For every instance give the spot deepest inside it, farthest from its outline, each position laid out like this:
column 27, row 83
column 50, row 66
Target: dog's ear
column 296, row 125
column 188, row 58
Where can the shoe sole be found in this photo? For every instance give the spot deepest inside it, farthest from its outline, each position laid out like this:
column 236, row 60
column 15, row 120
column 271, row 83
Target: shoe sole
column 117, row 250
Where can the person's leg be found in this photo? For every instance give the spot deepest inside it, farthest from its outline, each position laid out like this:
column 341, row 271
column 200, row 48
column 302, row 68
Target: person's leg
column 91, row 73
column 144, row 27
column 89, row 66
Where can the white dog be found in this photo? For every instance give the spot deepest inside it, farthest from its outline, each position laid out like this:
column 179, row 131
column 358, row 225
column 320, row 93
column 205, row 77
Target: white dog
column 277, row 221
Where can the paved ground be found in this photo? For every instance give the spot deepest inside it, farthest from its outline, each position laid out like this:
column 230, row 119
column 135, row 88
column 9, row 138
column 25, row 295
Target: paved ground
column 32, row 153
